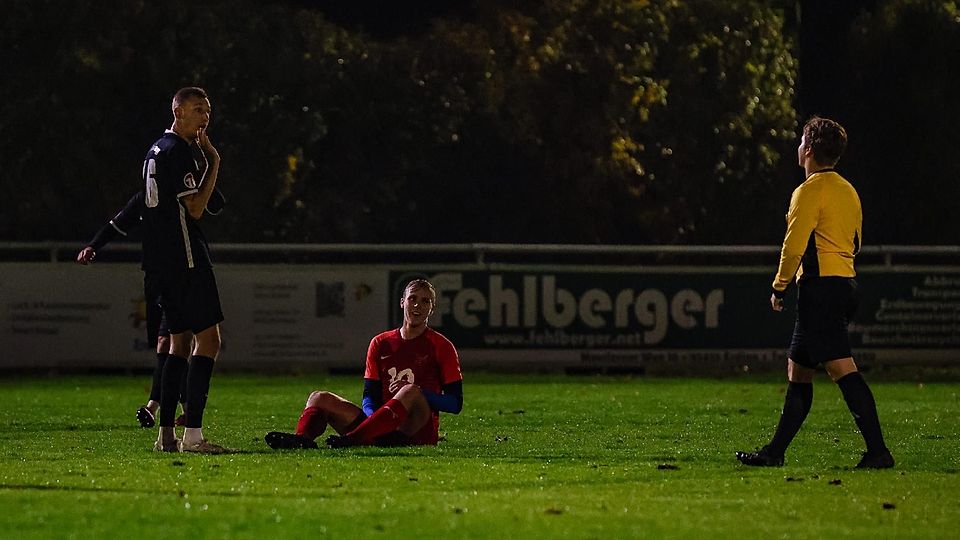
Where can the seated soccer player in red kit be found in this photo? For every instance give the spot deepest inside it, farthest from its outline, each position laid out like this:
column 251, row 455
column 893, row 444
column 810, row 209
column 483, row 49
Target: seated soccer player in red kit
column 412, row 374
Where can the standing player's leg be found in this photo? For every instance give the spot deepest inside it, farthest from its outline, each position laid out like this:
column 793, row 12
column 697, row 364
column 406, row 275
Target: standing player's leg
column 796, row 405
column 146, row 414
column 863, row 407
column 322, row 409
column 796, row 402
column 173, row 371
column 205, row 352
column 202, row 314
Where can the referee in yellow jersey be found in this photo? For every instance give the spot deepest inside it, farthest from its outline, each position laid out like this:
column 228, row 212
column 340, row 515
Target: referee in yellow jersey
column 823, row 237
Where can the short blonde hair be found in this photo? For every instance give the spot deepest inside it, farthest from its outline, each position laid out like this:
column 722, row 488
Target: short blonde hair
column 420, row 284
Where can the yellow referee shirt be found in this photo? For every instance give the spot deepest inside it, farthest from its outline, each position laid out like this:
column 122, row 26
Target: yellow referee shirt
column 824, row 230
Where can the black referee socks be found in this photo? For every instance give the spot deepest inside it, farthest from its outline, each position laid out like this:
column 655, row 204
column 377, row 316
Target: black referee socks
column 198, row 386
column 860, row 400
column 796, row 405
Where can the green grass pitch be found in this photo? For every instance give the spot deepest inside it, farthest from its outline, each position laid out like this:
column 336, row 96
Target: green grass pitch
column 529, row 457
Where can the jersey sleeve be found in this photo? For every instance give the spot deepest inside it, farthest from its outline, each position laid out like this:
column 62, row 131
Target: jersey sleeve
column 128, row 219
column 123, row 223
column 372, row 370
column 802, row 219
column 448, row 359
column 181, row 175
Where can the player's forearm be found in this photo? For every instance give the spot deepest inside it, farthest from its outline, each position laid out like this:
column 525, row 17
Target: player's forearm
column 450, row 401
column 789, row 264
column 372, row 392
column 104, row 236
column 197, row 202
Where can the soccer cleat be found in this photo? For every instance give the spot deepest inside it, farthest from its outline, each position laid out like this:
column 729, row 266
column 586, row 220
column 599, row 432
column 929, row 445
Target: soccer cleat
column 760, row 458
column 145, row 417
column 160, row 446
column 288, row 441
column 340, row 441
column 204, row 447
column 880, row 460
column 394, row 438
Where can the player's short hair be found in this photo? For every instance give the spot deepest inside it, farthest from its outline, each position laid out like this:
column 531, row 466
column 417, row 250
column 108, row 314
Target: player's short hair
column 826, row 138
column 184, row 94
column 419, row 284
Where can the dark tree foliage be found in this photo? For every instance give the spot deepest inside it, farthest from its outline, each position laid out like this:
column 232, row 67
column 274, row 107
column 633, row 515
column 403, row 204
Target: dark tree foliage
column 902, row 88
column 555, row 121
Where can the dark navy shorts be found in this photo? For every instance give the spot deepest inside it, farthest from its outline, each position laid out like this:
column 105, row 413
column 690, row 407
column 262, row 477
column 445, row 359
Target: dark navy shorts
column 825, row 307
column 190, row 300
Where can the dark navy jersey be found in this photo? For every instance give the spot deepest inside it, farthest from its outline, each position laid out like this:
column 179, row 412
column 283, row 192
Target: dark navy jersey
column 172, row 240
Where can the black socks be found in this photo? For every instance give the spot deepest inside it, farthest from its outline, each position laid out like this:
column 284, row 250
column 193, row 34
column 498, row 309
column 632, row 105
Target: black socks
column 864, row 409
column 796, row 405
column 157, row 377
column 198, row 386
column 173, row 370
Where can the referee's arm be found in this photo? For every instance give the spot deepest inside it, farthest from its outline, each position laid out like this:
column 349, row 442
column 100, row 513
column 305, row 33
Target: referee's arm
column 801, row 222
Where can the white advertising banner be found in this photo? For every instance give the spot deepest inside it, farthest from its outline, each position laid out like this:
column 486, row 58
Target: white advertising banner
column 61, row 315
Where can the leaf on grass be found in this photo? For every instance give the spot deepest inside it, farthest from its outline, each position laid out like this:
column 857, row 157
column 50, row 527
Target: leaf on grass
column 889, row 506
column 667, row 467
column 554, row 511
column 792, row 479
column 835, row 482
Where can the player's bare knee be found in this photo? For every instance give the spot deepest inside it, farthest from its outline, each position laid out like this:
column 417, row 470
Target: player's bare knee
column 322, row 399
column 163, row 344
column 411, row 396
column 838, row 369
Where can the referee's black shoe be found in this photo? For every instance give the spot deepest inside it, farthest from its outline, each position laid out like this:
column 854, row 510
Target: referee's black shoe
column 879, row 460
column 288, row 441
column 760, row 458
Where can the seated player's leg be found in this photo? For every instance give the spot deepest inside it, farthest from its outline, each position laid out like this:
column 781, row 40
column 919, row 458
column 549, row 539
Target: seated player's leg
column 322, row 409
column 418, row 410
column 407, row 411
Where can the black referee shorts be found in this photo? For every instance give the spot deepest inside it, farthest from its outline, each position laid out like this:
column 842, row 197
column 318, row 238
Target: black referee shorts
column 190, row 300
column 825, row 307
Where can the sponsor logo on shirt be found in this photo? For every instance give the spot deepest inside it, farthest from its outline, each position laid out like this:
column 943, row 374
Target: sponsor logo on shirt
column 189, row 181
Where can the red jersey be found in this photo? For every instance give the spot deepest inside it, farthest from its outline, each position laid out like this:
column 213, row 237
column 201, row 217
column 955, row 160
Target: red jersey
column 428, row 360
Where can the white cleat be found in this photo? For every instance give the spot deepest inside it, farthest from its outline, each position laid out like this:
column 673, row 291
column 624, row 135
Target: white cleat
column 204, row 447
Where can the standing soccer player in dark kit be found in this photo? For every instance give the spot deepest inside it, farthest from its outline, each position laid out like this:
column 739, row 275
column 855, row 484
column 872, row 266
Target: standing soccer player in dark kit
column 824, row 234
column 412, row 374
column 127, row 220
column 178, row 184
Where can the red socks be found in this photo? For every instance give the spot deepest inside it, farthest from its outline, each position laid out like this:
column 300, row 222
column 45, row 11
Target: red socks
column 385, row 420
column 312, row 422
